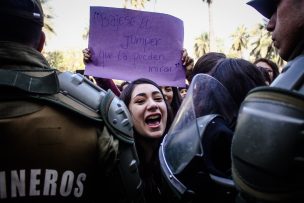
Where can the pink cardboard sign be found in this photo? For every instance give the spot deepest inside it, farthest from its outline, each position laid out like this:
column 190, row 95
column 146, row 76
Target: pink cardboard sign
column 128, row 44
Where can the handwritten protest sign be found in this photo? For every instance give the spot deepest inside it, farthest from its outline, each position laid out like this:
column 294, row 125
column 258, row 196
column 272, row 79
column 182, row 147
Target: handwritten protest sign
column 128, row 44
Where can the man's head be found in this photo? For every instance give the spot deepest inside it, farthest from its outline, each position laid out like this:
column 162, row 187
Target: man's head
column 22, row 22
column 286, row 22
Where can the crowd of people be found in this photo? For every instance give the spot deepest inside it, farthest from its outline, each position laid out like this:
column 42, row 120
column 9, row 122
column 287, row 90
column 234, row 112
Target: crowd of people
column 56, row 148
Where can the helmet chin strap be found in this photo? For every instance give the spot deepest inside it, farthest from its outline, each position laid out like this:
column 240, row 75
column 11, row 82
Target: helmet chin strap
column 298, row 50
column 41, row 42
column 291, row 78
column 225, row 182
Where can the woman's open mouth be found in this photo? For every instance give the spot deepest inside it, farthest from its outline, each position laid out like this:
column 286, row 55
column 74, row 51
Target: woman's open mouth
column 153, row 121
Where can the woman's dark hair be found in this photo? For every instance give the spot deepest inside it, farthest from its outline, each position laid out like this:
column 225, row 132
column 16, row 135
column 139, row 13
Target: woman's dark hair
column 123, row 84
column 274, row 66
column 176, row 100
column 186, row 87
column 149, row 169
column 238, row 76
column 265, row 74
column 126, row 94
column 206, row 63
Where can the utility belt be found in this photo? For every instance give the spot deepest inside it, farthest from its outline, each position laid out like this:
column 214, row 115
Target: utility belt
column 78, row 95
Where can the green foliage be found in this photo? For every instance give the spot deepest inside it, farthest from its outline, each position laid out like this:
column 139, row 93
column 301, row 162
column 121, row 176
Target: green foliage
column 48, row 18
column 201, row 45
column 70, row 60
column 138, row 4
column 240, row 39
column 211, row 31
column 262, row 46
column 256, row 43
column 208, row 1
column 55, row 58
column 85, row 34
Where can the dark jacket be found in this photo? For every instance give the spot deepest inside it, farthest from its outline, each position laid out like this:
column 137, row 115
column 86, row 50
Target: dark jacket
column 217, row 155
column 153, row 185
column 47, row 153
column 217, row 146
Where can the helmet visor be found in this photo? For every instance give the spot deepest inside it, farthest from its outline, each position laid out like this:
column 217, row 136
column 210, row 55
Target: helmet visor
column 205, row 96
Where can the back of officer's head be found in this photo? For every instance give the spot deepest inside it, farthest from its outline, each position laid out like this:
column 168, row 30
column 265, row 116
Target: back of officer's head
column 21, row 21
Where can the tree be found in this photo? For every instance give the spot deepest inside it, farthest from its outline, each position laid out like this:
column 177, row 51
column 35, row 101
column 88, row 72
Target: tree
column 138, row 4
column 48, row 27
column 211, row 32
column 201, row 45
column 70, row 60
column 240, row 40
column 263, row 46
column 85, row 34
column 55, row 58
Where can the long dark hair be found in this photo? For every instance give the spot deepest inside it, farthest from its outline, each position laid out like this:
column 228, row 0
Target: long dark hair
column 273, row 65
column 238, row 76
column 206, row 63
column 149, row 169
column 176, row 100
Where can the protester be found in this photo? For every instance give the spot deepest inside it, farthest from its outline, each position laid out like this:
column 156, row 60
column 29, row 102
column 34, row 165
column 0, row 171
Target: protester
column 216, row 100
column 168, row 93
column 267, row 149
column 172, row 93
column 205, row 63
column 183, row 91
column 151, row 117
column 123, row 85
column 188, row 64
column 266, row 75
column 104, row 83
column 173, row 97
column 271, row 67
column 186, row 60
column 54, row 148
column 238, row 76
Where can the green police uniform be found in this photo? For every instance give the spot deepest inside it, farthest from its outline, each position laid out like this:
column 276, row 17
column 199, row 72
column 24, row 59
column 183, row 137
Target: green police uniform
column 47, row 153
column 54, row 147
column 267, row 148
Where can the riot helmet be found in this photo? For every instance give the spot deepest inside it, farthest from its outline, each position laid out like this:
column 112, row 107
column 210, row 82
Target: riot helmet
column 267, row 147
column 264, row 7
column 182, row 153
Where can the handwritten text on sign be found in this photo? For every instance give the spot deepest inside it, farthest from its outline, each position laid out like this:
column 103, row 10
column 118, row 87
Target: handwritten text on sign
column 128, row 44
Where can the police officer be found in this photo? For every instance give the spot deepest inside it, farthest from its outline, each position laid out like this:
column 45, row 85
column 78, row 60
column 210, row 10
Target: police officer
column 62, row 139
column 267, row 148
column 194, row 154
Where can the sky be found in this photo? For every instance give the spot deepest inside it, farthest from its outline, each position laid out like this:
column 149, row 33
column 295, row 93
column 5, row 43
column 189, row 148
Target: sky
column 72, row 16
